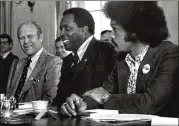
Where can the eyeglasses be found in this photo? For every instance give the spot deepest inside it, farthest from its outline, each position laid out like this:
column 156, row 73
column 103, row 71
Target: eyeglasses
column 4, row 43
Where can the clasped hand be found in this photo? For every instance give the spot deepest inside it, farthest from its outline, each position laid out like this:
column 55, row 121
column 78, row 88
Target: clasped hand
column 75, row 104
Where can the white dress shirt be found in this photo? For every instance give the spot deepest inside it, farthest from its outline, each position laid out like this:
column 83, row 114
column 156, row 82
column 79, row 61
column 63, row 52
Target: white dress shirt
column 81, row 51
column 4, row 55
column 34, row 60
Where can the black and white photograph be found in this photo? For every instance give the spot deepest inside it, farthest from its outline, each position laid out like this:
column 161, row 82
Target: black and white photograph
column 89, row 63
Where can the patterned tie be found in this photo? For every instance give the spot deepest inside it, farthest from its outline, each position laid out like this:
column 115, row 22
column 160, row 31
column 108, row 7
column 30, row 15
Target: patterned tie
column 1, row 64
column 22, row 80
column 75, row 61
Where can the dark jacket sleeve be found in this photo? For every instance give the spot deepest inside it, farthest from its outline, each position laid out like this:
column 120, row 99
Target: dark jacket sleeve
column 156, row 94
column 110, row 85
column 104, row 63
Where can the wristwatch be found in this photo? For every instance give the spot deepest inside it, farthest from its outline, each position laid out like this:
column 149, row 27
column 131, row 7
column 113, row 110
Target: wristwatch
column 105, row 97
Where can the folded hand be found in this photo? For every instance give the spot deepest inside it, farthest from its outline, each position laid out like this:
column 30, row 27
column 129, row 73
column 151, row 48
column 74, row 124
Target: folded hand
column 73, row 105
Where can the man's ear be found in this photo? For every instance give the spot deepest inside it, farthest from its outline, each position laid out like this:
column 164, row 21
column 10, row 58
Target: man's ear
column 85, row 29
column 10, row 45
column 41, row 38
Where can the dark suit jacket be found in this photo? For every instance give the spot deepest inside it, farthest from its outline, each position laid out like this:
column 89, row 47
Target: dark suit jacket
column 90, row 72
column 154, row 91
column 5, row 65
column 43, row 81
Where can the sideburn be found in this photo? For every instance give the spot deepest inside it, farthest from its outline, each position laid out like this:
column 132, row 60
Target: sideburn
column 129, row 37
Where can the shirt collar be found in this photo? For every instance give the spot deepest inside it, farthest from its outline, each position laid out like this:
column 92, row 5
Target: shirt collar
column 4, row 55
column 66, row 54
column 83, row 47
column 36, row 56
column 139, row 57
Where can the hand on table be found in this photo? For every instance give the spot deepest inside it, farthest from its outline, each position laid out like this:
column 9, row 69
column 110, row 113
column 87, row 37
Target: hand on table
column 73, row 104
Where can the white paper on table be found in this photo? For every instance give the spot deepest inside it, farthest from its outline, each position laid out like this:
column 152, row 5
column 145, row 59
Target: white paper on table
column 25, row 105
column 120, row 117
column 23, row 108
column 22, row 111
column 101, row 111
column 164, row 121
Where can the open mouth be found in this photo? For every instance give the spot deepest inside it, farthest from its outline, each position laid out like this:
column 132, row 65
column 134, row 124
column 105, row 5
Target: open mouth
column 65, row 41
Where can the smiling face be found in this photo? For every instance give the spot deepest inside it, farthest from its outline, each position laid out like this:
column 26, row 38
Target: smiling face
column 29, row 40
column 118, row 38
column 60, row 49
column 70, row 31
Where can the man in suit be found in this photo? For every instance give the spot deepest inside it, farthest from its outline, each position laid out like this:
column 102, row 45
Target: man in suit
column 37, row 76
column 6, row 60
column 143, row 80
column 90, row 64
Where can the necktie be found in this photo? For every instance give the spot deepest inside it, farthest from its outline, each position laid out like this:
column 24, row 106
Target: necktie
column 1, row 64
column 22, row 79
column 75, row 61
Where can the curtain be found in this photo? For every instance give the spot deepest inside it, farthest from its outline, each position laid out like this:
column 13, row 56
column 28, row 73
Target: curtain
column 61, row 6
column 6, row 17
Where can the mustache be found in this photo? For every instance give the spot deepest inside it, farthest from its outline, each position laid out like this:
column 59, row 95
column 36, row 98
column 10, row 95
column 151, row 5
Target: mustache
column 114, row 43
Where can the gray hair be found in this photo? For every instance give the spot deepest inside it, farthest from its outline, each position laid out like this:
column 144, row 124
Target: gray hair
column 39, row 30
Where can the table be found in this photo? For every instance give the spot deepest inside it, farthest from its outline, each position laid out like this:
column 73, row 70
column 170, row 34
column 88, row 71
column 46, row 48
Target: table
column 69, row 121
column 48, row 120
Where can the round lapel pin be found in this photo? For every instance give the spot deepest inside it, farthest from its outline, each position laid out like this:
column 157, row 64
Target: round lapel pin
column 146, row 69
column 129, row 90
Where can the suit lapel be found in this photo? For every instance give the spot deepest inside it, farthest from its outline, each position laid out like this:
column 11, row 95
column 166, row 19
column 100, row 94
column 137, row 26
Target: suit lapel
column 9, row 55
column 37, row 69
column 147, row 61
column 17, row 76
column 87, row 58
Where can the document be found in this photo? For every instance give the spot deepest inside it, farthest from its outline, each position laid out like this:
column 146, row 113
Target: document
column 112, row 116
column 25, row 105
column 23, row 108
column 97, row 111
column 164, row 121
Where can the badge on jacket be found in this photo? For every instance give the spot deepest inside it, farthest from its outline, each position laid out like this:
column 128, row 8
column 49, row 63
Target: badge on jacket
column 146, row 69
